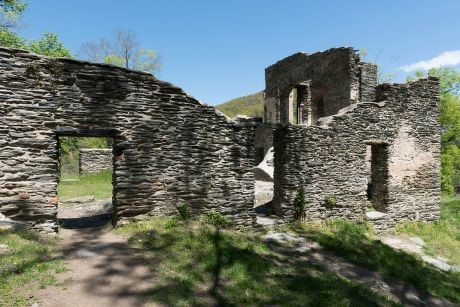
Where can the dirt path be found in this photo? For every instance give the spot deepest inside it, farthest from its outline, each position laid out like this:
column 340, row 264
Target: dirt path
column 103, row 269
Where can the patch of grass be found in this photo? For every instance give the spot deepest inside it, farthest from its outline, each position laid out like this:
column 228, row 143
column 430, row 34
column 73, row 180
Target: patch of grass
column 98, row 185
column 199, row 264
column 356, row 243
column 29, row 265
column 443, row 237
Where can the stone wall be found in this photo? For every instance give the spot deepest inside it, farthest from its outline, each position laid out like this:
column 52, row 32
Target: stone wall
column 334, row 78
column 329, row 160
column 169, row 148
column 368, row 81
column 95, row 160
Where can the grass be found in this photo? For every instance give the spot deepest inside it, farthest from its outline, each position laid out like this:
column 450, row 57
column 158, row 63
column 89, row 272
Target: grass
column 29, row 265
column 200, row 264
column 357, row 243
column 98, row 185
column 441, row 238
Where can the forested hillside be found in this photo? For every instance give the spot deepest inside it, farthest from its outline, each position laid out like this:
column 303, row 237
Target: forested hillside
column 250, row 105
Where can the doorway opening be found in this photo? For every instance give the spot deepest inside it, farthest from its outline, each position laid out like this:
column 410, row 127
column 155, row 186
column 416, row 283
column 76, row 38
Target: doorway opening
column 317, row 108
column 85, row 181
column 296, row 105
column 377, row 189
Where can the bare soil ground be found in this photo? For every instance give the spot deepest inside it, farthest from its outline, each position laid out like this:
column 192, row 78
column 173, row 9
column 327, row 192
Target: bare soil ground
column 103, row 269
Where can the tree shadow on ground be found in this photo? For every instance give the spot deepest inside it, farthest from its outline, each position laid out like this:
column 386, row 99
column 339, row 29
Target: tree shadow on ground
column 92, row 221
column 27, row 262
column 352, row 242
column 29, row 251
column 216, row 267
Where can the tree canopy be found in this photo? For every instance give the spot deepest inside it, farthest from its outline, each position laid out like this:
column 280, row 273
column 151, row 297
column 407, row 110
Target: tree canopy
column 10, row 12
column 449, row 81
column 49, row 45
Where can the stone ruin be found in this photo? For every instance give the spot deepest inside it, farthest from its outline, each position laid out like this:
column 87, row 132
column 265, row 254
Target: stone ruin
column 358, row 149
column 94, row 160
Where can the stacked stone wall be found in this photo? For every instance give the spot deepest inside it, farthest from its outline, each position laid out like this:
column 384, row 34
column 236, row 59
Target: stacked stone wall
column 95, row 160
column 333, row 74
column 329, row 161
column 169, row 148
column 368, row 81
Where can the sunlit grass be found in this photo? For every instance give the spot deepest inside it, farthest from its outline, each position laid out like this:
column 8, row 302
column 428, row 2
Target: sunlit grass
column 98, row 185
column 358, row 244
column 198, row 264
column 443, row 237
column 29, row 265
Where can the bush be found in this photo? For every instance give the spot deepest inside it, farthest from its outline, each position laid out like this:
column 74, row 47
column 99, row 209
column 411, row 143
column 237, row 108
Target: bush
column 300, row 204
column 215, row 218
column 183, row 212
column 171, row 223
column 330, row 201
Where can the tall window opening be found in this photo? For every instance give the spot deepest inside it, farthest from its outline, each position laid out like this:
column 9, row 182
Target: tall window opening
column 298, row 108
column 85, row 181
column 294, row 101
column 377, row 190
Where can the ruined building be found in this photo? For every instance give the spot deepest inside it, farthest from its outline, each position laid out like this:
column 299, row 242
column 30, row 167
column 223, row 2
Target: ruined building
column 357, row 149
column 353, row 146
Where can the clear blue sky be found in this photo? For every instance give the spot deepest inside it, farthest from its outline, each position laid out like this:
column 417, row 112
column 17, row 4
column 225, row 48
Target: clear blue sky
column 217, row 50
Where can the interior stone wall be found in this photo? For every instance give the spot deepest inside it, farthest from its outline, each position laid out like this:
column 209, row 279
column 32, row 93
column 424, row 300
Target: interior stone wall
column 169, row 148
column 330, row 160
column 95, row 160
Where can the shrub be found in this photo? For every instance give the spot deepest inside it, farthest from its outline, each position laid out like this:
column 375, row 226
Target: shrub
column 330, row 201
column 300, row 204
column 183, row 212
column 215, row 218
column 171, row 223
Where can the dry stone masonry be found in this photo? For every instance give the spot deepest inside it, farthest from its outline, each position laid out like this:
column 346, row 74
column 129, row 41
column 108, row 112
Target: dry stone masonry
column 169, row 148
column 360, row 151
column 369, row 151
column 95, row 160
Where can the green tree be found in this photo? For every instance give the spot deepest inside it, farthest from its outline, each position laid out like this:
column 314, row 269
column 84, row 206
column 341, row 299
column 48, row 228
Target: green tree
column 449, row 81
column 10, row 12
column 49, row 45
column 11, row 39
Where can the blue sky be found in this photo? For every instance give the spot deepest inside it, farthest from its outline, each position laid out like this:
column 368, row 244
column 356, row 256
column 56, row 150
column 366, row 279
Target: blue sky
column 217, row 50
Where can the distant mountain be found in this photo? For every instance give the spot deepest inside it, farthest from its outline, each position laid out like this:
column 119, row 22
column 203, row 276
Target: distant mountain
column 250, row 105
